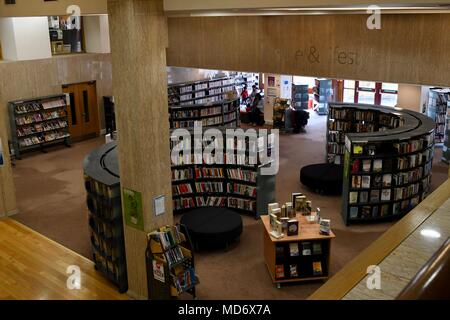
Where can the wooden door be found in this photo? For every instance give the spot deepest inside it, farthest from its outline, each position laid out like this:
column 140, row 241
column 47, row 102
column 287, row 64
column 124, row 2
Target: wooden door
column 82, row 110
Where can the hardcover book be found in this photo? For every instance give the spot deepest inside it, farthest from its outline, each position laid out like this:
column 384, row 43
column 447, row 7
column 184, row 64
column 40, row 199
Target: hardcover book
column 293, row 270
column 366, row 165
column 378, row 165
column 353, row 212
column 306, row 248
column 364, row 196
column 317, row 248
column 293, row 249
column 353, row 197
column 317, row 268
column 356, row 182
column 387, row 180
column 279, row 271
column 386, row 195
column 292, row 227
column 365, row 182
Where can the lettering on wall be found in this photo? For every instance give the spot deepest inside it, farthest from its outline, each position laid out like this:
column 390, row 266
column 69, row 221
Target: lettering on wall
column 338, row 55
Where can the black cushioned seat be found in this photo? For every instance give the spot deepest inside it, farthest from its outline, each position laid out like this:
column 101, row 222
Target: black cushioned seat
column 212, row 226
column 323, row 178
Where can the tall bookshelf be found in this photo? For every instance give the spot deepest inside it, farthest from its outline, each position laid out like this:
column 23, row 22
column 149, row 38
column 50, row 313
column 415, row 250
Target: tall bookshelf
column 37, row 123
column 323, row 94
column 437, row 110
column 239, row 186
column 102, row 186
column 354, row 118
column 387, row 173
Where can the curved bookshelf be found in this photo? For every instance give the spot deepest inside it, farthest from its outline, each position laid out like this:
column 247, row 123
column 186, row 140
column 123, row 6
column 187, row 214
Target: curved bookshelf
column 387, row 171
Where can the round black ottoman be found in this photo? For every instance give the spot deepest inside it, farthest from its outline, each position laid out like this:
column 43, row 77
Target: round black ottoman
column 323, row 177
column 212, row 226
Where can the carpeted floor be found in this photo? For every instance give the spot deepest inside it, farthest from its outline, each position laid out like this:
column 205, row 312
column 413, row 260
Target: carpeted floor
column 52, row 201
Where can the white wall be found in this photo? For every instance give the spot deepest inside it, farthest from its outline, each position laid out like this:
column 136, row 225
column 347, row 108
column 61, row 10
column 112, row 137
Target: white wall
column 409, row 97
column 32, row 38
column 7, row 39
column 96, row 34
column 180, row 75
column 25, row 38
column 271, row 92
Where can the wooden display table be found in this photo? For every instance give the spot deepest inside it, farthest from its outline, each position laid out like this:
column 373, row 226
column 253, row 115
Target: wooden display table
column 297, row 258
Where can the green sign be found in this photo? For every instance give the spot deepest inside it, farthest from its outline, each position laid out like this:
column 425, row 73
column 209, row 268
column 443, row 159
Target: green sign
column 133, row 209
column 346, row 163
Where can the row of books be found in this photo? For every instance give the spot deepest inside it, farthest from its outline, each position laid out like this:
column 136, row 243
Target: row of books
column 293, row 271
column 386, row 180
column 364, row 127
column 368, row 212
column 410, row 146
column 42, row 138
column 41, row 127
column 209, row 187
column 241, row 189
column 363, row 115
column 39, row 117
column 183, row 203
column 240, row 174
column 104, row 249
column 27, row 107
column 213, row 121
column 229, row 117
column 174, row 255
column 209, row 173
column 182, row 174
column 382, row 195
column 340, row 125
column 179, row 189
column 195, row 113
column 336, row 136
column 168, row 236
column 244, row 204
column 386, row 147
column 234, row 159
column 308, row 248
column 211, row 201
column 389, row 121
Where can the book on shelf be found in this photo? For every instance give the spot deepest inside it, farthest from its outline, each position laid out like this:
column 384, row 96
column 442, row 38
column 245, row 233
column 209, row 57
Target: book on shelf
column 384, row 210
column 356, row 165
column 387, row 180
column 306, row 248
column 367, row 165
column 293, row 249
column 279, row 271
column 354, row 212
column 365, row 182
column 377, row 165
column 293, row 270
column 317, row 248
column 366, row 212
column 364, row 196
column 317, row 268
column 356, row 182
column 292, row 229
column 353, row 197
column 386, row 195
column 374, row 196
column 374, row 211
column 377, row 181
column 279, row 251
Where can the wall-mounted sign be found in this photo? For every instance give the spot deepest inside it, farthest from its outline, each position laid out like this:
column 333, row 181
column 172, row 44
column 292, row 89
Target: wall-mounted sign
column 159, row 205
column 133, row 209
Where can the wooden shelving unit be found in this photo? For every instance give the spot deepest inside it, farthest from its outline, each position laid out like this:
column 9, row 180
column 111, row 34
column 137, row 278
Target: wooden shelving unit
column 437, row 110
column 37, row 123
column 281, row 252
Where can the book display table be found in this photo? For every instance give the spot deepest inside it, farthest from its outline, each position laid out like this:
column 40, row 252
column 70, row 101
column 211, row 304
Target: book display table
column 304, row 257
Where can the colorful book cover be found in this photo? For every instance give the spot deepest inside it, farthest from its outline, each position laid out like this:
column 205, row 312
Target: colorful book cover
column 386, row 195
column 293, row 270
column 366, row 165
column 377, row 165
column 353, row 212
column 279, row 271
column 317, row 268
column 365, row 182
column 293, row 249
column 387, row 180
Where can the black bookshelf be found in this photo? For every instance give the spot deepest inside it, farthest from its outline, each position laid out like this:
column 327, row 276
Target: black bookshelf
column 386, row 173
column 300, row 97
column 37, row 123
column 102, row 186
column 239, row 186
column 323, row 95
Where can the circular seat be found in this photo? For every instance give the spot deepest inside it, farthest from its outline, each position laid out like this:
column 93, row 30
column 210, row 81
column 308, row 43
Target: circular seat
column 212, row 226
column 323, row 177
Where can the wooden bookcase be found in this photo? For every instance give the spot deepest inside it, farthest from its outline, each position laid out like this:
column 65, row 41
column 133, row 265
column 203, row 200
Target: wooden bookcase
column 170, row 275
column 277, row 252
column 37, row 123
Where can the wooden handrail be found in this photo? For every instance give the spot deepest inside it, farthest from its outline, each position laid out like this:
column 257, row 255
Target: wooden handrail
column 432, row 281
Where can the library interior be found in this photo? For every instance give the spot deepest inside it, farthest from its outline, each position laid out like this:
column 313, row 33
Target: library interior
column 224, row 150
